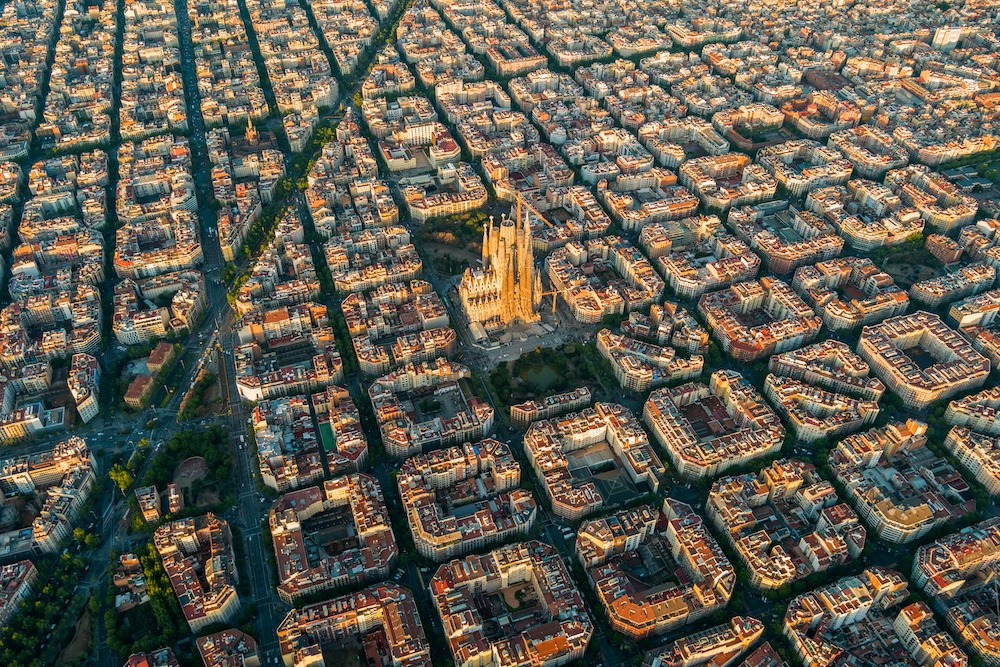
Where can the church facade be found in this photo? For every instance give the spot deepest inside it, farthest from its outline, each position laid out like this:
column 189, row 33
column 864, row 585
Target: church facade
column 507, row 289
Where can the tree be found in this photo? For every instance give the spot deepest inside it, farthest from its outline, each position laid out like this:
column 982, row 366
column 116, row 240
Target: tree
column 122, row 477
column 613, row 321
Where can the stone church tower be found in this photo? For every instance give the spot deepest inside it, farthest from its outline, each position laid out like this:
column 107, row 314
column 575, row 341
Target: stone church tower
column 507, row 289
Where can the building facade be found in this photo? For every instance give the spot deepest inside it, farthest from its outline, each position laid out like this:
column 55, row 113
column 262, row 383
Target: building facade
column 507, row 289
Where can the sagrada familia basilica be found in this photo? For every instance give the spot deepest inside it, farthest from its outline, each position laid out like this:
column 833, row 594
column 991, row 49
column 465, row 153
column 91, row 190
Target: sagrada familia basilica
column 507, row 289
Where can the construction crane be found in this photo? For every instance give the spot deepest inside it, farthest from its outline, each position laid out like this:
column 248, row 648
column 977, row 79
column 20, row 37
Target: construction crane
column 521, row 203
column 553, row 293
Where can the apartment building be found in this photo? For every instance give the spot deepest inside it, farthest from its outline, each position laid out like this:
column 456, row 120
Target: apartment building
column 560, row 612
column 365, row 552
column 198, row 558
column 495, row 511
column 707, row 429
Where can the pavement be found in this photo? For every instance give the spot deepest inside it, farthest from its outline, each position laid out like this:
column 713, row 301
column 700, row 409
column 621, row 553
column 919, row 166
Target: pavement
column 250, row 509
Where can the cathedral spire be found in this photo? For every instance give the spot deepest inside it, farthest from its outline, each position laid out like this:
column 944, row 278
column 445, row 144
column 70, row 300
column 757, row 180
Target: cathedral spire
column 487, row 232
column 508, row 289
